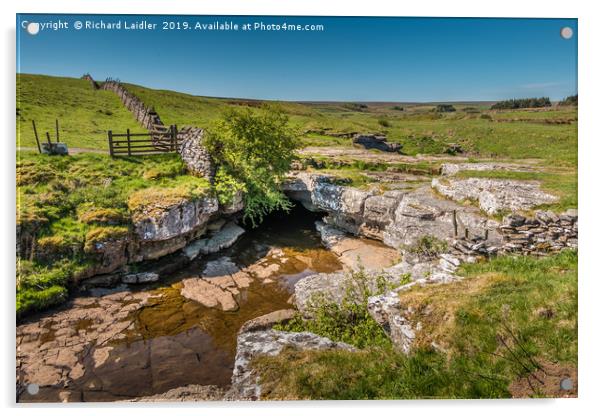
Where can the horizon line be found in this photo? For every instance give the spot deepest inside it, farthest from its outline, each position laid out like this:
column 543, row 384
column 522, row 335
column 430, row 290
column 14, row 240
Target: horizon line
column 330, row 101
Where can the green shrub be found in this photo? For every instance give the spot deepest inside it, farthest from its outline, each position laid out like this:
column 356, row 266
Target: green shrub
column 428, row 246
column 254, row 149
column 348, row 321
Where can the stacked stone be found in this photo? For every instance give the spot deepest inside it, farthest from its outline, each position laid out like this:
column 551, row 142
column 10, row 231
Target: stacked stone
column 475, row 246
column 196, row 156
column 545, row 233
column 146, row 116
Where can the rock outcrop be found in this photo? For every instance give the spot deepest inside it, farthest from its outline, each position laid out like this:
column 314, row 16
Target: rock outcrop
column 495, row 195
column 245, row 381
column 162, row 229
column 375, row 141
column 397, row 218
column 450, row 169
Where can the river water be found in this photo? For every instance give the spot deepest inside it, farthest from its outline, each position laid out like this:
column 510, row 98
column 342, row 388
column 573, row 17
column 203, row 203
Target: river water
column 134, row 341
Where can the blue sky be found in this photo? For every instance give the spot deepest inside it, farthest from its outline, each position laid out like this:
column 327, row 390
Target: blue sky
column 352, row 59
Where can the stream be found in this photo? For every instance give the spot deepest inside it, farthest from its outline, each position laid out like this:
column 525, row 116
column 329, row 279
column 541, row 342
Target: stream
column 134, row 341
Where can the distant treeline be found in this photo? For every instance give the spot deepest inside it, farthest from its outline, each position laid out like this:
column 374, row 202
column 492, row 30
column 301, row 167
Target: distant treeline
column 570, row 100
column 522, row 103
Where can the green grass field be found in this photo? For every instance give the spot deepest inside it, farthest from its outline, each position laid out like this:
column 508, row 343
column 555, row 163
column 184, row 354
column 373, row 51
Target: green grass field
column 86, row 115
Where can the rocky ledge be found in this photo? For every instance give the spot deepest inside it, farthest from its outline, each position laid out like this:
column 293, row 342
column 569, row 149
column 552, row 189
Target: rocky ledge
column 251, row 344
column 495, row 195
column 397, row 218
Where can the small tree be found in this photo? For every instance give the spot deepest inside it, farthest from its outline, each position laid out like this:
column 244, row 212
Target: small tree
column 254, row 150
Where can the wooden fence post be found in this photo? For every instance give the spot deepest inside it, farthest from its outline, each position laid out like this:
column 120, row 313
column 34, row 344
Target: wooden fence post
column 466, row 233
column 129, row 144
column 56, row 123
column 455, row 221
column 111, row 143
column 174, row 137
column 48, row 139
column 35, row 132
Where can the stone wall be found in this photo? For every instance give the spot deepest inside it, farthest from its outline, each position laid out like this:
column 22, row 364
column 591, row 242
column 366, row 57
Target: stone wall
column 194, row 154
column 146, row 116
column 89, row 78
column 196, row 157
column 545, row 233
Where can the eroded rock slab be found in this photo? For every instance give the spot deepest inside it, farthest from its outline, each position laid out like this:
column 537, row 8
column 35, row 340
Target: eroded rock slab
column 355, row 253
column 495, row 195
column 219, row 240
column 51, row 352
column 211, row 294
column 449, row 169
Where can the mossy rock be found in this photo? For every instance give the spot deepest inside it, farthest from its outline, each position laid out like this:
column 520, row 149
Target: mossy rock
column 102, row 235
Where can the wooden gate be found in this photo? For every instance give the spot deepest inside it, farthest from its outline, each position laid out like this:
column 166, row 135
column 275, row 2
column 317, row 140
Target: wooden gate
column 163, row 140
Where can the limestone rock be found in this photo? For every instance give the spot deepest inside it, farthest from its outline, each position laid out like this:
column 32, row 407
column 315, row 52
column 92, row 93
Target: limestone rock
column 190, row 393
column 374, row 141
column 220, row 267
column 421, row 213
column 494, row 195
column 450, row 169
column 110, row 255
column 208, row 294
column 245, row 383
column 356, row 253
column 155, row 222
column 219, row 240
column 139, row 278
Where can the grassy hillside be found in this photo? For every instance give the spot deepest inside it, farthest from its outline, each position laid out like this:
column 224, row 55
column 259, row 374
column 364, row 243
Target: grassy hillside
column 509, row 329
column 84, row 114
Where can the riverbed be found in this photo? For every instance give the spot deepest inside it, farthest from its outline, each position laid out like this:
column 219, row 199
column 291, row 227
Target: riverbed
column 132, row 341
